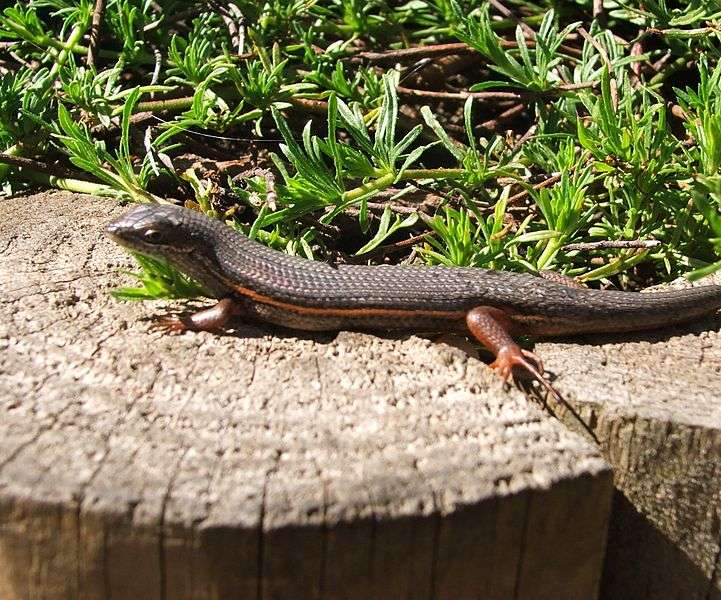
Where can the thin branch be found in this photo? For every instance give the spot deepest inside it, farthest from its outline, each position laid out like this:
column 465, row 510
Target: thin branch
column 684, row 33
column 661, row 62
column 398, row 246
column 404, row 91
column 636, row 50
column 169, row 105
column 492, row 124
column 463, row 96
column 509, row 14
column 95, row 31
column 158, row 56
column 530, row 132
column 401, row 55
column 569, row 87
column 600, row 49
column 185, row 14
column 21, row 60
column 606, row 244
column 318, row 107
column 135, row 119
column 234, row 22
column 35, row 165
column 599, row 14
column 271, row 197
column 415, row 53
column 607, row 61
column 545, row 183
column 396, row 208
column 332, row 232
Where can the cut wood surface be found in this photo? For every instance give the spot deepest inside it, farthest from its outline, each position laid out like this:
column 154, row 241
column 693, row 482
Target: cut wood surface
column 261, row 463
column 653, row 402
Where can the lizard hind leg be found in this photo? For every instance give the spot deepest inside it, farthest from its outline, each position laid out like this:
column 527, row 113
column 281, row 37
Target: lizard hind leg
column 489, row 326
column 562, row 279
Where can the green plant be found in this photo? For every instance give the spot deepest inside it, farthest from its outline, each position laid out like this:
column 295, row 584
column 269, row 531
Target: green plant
column 536, row 69
column 522, row 136
column 115, row 169
column 158, row 280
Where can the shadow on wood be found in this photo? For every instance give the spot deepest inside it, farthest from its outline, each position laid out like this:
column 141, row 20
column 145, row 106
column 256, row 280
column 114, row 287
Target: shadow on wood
column 140, row 465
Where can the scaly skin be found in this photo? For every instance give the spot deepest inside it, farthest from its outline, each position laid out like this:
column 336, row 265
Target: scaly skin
column 252, row 279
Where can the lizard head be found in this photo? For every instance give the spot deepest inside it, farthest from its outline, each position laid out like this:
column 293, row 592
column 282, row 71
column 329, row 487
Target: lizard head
column 184, row 238
column 160, row 230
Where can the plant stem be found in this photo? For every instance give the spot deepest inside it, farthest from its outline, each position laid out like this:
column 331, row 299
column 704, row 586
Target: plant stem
column 4, row 167
column 72, row 185
column 7, row 159
column 75, row 36
column 552, row 247
column 376, row 184
column 95, row 31
column 432, row 174
column 388, row 179
column 676, row 65
column 621, row 263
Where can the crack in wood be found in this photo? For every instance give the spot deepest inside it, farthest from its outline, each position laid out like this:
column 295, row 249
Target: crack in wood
column 402, row 421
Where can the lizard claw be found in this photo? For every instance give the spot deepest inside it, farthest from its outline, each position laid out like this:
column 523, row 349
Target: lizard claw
column 535, row 359
column 509, row 357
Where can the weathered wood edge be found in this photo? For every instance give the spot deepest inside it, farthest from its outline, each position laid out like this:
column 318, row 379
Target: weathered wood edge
column 653, row 404
column 119, row 479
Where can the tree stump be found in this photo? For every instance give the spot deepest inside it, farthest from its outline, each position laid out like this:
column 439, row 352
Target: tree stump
column 653, row 403
column 262, row 463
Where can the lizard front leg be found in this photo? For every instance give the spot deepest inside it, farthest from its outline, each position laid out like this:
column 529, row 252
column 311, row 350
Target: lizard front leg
column 209, row 319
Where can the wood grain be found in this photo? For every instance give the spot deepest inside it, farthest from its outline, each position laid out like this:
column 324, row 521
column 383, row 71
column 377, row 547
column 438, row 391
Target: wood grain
column 653, row 402
column 259, row 464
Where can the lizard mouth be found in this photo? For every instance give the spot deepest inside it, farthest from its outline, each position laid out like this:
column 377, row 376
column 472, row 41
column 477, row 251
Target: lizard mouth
column 128, row 229
column 112, row 230
column 118, row 232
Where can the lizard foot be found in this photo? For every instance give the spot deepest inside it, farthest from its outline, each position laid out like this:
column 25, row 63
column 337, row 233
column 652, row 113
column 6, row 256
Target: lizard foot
column 169, row 323
column 509, row 357
column 512, row 356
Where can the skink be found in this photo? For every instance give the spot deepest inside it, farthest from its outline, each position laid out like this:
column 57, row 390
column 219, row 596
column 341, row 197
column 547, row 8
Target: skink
column 251, row 279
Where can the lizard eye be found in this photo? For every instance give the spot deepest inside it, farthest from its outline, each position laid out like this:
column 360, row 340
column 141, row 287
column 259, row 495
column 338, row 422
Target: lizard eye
column 153, row 236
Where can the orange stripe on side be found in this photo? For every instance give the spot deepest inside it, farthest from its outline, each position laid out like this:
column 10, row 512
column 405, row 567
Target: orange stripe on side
column 345, row 312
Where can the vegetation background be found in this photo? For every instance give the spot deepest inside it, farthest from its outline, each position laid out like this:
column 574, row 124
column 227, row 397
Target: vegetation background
column 579, row 136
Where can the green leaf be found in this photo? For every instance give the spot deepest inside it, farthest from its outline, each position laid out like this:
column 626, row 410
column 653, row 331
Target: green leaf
column 130, row 103
column 159, row 279
column 386, row 229
column 456, row 149
column 704, row 271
